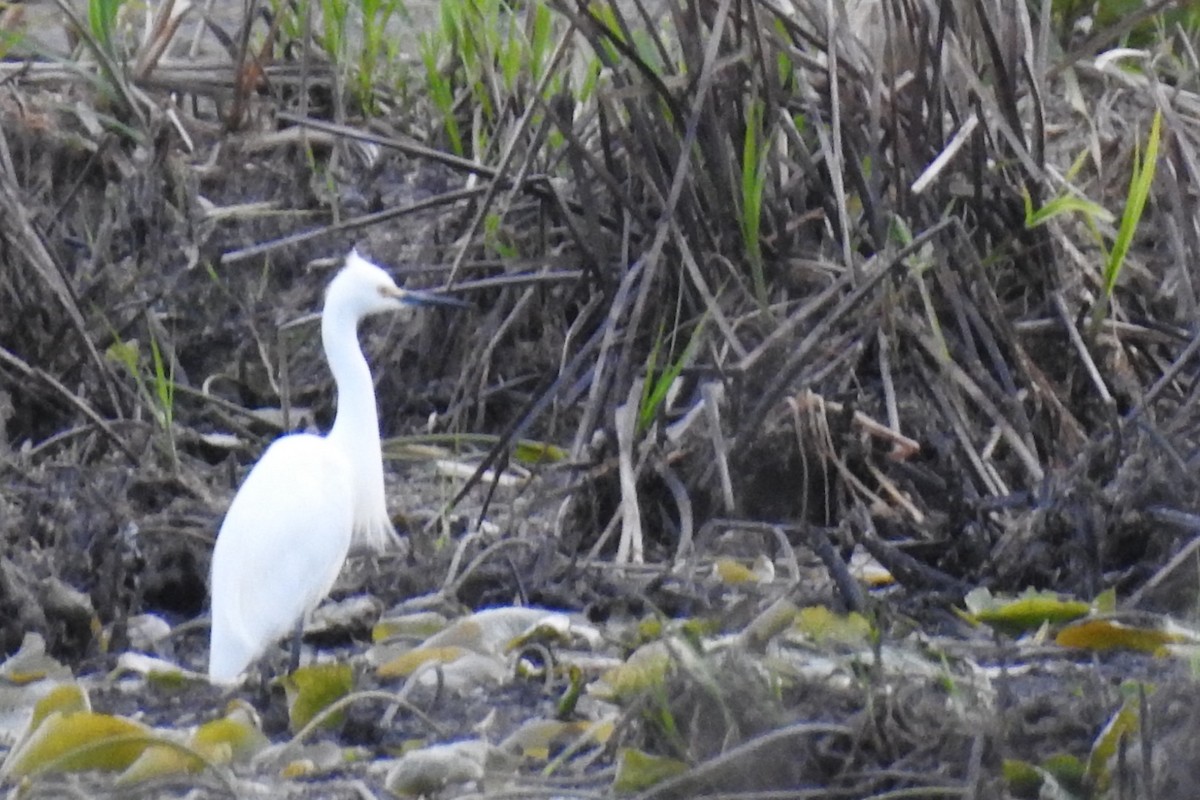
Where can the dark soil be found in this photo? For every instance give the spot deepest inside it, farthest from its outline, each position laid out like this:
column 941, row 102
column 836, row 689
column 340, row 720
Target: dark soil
column 1049, row 452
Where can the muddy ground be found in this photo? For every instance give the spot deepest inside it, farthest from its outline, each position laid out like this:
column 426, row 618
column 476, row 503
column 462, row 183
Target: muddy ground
column 939, row 403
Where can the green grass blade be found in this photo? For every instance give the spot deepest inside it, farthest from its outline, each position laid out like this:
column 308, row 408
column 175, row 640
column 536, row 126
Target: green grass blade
column 753, row 183
column 1140, row 181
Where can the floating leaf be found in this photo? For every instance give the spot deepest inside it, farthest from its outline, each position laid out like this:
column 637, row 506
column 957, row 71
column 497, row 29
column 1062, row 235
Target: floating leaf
column 1030, row 782
column 539, row 738
column 1068, row 770
column 464, row 673
column 491, row 630
column 551, row 629
column 406, row 664
column 420, row 625
column 77, row 741
column 298, row 768
column 160, row 760
column 1060, row 777
column 65, row 699
column 637, row 771
column 477, row 645
column 731, row 572
column 534, row 453
column 1028, row 612
column 821, row 625
column 237, row 731
column 646, row 668
column 1105, row 602
column 23, row 707
column 1123, row 725
column 1023, row 779
column 312, row 689
column 30, row 663
column 431, row 769
column 1110, row 634
column 649, row 629
column 695, row 629
column 866, row 568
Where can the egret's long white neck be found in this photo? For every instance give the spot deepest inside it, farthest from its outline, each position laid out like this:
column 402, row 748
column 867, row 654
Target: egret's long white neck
column 355, row 428
column 356, row 423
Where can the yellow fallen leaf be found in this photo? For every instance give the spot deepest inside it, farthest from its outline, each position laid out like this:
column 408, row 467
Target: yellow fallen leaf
column 1105, row 602
column 637, row 770
column 821, row 625
column 1108, row 634
column 300, row 768
column 1058, row 776
column 406, row 664
column 1028, row 612
column 491, row 630
column 68, row 698
column 157, row 761
column 732, row 573
column 537, row 738
column 649, row 629
column 866, row 568
column 1121, row 727
column 553, row 629
column 535, row 453
column 312, row 689
column 78, row 741
column 30, row 663
column 645, row 668
column 420, row 625
column 1068, row 770
column 1023, row 778
column 237, row 731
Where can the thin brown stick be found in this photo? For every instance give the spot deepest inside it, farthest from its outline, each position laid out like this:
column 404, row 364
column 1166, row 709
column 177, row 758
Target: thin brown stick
column 84, row 407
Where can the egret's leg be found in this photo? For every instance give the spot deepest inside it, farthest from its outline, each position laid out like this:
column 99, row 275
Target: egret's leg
column 262, row 687
column 294, row 661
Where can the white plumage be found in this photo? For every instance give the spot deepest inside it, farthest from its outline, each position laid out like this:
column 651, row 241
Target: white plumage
column 291, row 524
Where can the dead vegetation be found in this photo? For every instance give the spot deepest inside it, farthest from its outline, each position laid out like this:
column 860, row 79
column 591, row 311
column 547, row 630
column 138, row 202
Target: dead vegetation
column 768, row 278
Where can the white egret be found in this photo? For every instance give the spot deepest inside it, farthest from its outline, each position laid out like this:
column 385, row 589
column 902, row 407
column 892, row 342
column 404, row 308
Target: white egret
column 291, row 524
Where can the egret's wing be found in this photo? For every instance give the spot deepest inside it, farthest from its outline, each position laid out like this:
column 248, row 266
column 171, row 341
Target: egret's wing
column 279, row 550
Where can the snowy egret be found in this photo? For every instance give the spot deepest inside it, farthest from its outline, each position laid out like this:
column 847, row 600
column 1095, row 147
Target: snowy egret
column 291, row 524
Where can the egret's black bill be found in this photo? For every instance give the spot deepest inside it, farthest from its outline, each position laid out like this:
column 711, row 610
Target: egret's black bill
column 429, row 299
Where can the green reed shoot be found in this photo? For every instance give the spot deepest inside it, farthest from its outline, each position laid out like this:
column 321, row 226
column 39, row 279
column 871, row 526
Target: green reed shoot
column 102, row 21
column 754, row 176
column 1140, row 180
column 482, row 59
column 656, row 387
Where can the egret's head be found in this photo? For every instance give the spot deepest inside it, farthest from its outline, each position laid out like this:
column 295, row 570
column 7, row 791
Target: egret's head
column 362, row 288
